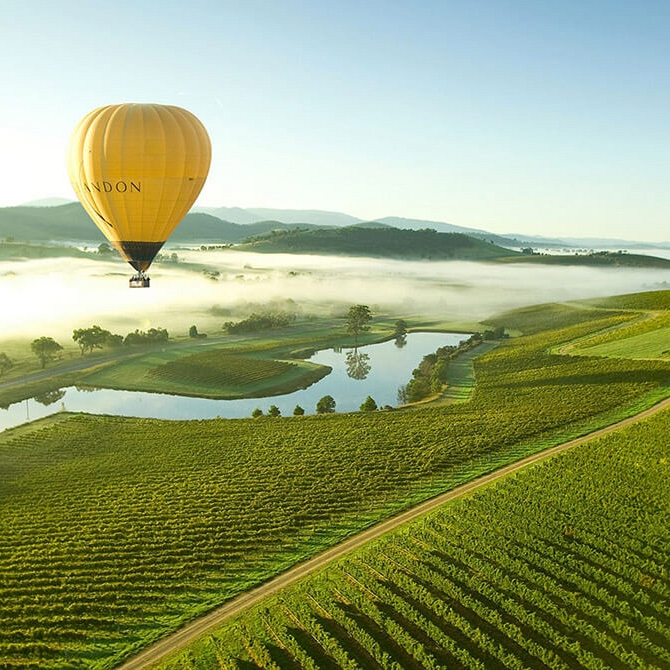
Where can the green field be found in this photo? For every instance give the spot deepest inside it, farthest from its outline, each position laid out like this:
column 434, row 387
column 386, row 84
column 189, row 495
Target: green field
column 653, row 344
column 561, row 566
column 116, row 531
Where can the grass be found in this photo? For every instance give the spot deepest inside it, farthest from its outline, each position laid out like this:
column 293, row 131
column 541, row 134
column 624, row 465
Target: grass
column 461, row 373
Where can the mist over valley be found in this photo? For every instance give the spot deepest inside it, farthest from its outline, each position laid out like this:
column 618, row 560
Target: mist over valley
column 52, row 296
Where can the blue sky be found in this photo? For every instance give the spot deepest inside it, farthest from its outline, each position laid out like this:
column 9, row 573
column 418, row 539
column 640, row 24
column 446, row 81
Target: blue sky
column 541, row 117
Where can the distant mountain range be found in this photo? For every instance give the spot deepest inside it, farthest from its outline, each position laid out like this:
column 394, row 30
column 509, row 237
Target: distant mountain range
column 54, row 219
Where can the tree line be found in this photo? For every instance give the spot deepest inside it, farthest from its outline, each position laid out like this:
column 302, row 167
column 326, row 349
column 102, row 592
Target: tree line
column 47, row 349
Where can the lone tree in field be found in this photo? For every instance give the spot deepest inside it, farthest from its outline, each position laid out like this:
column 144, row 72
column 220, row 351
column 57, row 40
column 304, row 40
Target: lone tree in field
column 326, row 405
column 274, row 411
column 298, row 411
column 5, row 363
column 357, row 320
column 45, row 348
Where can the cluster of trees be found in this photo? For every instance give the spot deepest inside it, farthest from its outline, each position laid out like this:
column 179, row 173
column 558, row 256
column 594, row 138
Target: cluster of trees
column 496, row 334
column 400, row 333
column 431, row 375
column 95, row 338
column 151, row 336
column 260, row 321
column 428, row 378
column 46, row 349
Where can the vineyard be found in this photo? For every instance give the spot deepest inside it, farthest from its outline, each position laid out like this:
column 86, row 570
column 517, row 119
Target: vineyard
column 217, row 371
column 117, row 531
column 562, row 566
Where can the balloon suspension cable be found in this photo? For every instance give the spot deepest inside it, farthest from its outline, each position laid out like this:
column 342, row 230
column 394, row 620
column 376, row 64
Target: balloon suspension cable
column 139, row 280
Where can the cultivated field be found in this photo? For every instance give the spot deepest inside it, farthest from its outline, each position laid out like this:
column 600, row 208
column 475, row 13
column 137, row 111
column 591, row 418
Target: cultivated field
column 560, row 566
column 117, row 531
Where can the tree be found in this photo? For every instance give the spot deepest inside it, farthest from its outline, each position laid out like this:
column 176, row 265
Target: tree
column 90, row 338
column 357, row 319
column 400, row 328
column 5, row 363
column 326, row 405
column 257, row 412
column 298, row 411
column 274, row 411
column 369, row 405
column 104, row 249
column 45, row 348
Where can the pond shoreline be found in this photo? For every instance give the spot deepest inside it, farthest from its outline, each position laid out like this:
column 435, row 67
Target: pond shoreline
column 356, row 372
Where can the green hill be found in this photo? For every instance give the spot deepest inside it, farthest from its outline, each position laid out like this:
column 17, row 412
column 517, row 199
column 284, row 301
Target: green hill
column 385, row 242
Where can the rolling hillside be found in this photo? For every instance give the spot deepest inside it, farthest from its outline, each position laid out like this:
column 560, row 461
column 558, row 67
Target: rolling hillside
column 385, row 242
column 70, row 223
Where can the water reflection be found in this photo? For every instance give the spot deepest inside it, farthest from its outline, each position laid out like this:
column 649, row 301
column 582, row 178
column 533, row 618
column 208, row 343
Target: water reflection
column 357, row 364
column 50, row 397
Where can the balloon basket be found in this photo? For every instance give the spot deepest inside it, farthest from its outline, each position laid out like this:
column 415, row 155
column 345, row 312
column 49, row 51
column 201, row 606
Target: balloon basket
column 139, row 281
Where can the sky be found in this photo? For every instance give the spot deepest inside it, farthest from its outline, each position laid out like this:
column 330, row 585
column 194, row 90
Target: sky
column 515, row 116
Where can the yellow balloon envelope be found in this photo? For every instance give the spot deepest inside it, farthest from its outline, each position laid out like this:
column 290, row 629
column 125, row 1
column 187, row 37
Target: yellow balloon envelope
column 137, row 169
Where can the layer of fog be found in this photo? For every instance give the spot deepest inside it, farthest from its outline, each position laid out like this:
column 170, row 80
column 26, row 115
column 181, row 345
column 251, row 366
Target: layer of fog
column 54, row 296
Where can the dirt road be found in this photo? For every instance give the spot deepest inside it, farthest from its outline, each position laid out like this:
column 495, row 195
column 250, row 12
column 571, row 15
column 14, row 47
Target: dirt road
column 203, row 624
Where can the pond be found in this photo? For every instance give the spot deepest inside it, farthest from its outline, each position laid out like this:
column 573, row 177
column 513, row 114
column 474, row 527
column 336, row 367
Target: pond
column 375, row 370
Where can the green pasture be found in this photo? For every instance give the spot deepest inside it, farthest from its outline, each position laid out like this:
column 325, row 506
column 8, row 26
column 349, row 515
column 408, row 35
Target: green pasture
column 653, row 344
column 560, row 566
column 461, row 373
column 116, row 531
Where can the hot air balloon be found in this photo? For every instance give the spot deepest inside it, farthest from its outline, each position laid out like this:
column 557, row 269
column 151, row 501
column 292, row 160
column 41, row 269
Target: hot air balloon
column 137, row 169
